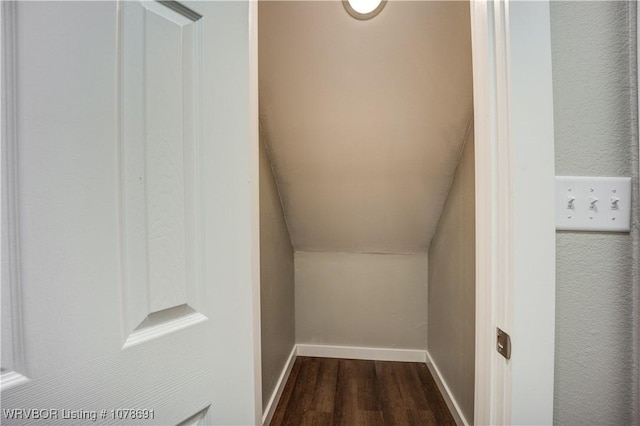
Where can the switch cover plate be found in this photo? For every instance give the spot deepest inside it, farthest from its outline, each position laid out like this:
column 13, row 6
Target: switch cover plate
column 593, row 203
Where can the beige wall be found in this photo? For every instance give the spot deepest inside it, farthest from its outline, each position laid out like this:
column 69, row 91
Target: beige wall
column 276, row 281
column 451, row 309
column 364, row 135
column 369, row 300
column 593, row 48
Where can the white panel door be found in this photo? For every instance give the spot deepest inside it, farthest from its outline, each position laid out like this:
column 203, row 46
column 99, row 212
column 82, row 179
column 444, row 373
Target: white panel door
column 128, row 214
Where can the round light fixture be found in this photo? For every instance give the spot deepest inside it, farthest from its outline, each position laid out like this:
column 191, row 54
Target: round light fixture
column 363, row 9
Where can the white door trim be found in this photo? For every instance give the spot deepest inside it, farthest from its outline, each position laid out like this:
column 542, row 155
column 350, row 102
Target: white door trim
column 515, row 226
column 254, row 136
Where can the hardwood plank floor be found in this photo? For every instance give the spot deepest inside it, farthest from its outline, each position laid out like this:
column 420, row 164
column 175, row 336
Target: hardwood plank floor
column 347, row 392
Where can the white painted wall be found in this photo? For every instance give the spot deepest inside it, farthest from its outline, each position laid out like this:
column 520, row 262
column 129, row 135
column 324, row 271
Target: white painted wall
column 595, row 129
column 276, row 281
column 451, row 309
column 369, row 300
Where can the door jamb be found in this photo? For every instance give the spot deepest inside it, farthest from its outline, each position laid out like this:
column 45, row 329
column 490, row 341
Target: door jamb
column 254, row 135
column 515, row 224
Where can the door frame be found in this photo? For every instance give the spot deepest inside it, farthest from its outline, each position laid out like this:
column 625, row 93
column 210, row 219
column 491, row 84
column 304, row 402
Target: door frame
column 515, row 224
column 515, row 237
column 254, row 149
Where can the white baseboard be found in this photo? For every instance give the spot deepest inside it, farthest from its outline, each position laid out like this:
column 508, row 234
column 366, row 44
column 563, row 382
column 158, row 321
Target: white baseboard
column 353, row 352
column 277, row 392
column 460, row 419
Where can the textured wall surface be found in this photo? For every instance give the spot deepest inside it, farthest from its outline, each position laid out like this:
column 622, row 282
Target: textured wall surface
column 451, row 310
column 371, row 300
column 276, row 281
column 593, row 75
column 635, row 213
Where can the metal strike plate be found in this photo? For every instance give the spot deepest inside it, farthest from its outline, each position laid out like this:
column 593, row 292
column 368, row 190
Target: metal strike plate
column 503, row 344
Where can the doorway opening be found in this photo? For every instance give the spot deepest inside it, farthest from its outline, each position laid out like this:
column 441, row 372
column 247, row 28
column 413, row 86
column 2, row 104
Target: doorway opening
column 367, row 194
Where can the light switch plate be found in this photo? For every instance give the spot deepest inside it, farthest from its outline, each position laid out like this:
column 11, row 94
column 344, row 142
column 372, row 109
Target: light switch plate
column 593, row 203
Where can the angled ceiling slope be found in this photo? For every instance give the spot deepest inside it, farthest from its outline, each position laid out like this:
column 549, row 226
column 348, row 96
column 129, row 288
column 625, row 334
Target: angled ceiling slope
column 364, row 120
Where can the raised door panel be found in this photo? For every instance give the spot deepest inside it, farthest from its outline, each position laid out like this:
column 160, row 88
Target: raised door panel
column 102, row 238
column 161, row 175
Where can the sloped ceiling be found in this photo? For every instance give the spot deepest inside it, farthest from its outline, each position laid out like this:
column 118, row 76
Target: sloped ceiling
column 364, row 120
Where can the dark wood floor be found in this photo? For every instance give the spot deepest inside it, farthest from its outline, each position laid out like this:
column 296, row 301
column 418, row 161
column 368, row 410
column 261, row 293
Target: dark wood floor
column 326, row 391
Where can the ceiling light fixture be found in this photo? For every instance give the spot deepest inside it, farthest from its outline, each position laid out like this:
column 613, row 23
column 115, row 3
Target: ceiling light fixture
column 363, row 9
